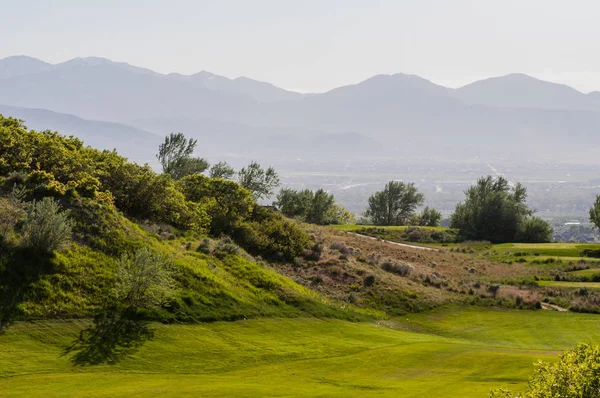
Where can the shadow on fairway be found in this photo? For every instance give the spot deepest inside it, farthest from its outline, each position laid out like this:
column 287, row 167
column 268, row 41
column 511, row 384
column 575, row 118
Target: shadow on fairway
column 19, row 271
column 112, row 337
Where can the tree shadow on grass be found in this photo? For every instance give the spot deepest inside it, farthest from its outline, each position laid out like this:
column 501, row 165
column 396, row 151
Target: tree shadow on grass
column 113, row 336
column 20, row 269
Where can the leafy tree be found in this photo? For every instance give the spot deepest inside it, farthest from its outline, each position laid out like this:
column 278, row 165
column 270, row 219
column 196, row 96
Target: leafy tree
column 294, row 203
column 534, row 230
column 575, row 375
column 175, row 156
column 47, row 227
column 339, row 215
column 314, row 207
column 492, row 210
column 595, row 213
column 428, row 218
column 222, row 170
column 321, row 204
column 226, row 202
column 143, row 280
column 395, row 205
column 261, row 183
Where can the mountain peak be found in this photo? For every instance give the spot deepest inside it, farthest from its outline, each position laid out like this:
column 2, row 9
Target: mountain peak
column 19, row 65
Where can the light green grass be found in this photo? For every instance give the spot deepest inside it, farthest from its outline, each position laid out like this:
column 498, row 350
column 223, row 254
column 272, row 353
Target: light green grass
column 586, row 273
column 591, row 285
column 450, row 353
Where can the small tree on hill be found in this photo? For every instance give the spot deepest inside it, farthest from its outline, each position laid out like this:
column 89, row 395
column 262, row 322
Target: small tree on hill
column 260, row 182
column 175, row 156
column 143, row 280
column 395, row 205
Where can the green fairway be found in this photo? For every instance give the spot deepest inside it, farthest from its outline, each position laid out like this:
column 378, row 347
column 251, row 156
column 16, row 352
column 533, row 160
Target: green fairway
column 590, row 285
column 449, row 353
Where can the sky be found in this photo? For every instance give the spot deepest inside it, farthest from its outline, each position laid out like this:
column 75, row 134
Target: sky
column 317, row 45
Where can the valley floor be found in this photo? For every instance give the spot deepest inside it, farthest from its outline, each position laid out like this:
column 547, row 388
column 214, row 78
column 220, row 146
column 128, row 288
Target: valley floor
column 452, row 352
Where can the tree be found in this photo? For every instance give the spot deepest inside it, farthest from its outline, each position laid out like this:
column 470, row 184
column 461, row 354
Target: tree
column 221, row 170
column 143, row 280
column 47, row 227
column 493, row 211
column 294, row 203
column 261, row 183
column 339, row 215
column 534, row 230
column 575, row 375
column 175, row 156
column 321, row 203
column 428, row 218
column 395, row 205
column 595, row 213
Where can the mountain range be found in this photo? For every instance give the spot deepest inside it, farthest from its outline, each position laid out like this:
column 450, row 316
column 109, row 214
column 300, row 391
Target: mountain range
column 114, row 104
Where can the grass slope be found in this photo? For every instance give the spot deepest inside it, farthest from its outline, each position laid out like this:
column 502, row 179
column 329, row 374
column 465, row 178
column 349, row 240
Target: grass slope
column 451, row 353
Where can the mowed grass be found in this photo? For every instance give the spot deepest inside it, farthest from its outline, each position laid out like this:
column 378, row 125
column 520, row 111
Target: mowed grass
column 448, row 353
column 566, row 284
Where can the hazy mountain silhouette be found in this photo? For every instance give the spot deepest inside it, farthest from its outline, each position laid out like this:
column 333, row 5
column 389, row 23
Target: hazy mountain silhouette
column 510, row 116
column 522, row 91
column 21, row 65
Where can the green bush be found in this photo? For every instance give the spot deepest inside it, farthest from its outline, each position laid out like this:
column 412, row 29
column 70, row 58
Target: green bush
column 226, row 246
column 575, row 375
column 534, row 230
column 270, row 234
column 46, row 227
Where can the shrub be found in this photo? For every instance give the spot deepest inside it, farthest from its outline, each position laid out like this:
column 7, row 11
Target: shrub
column 143, row 280
column 206, row 246
column 341, row 247
column 398, row 269
column 11, row 211
column 270, row 234
column 226, row 246
column 575, row 375
column 369, row 280
column 46, row 227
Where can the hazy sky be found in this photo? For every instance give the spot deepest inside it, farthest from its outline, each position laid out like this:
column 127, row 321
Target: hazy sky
column 315, row 45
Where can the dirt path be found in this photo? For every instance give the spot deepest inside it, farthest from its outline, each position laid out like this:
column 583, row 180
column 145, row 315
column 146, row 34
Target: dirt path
column 547, row 306
column 395, row 243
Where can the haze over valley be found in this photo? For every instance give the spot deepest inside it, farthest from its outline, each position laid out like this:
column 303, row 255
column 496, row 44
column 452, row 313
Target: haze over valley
column 351, row 139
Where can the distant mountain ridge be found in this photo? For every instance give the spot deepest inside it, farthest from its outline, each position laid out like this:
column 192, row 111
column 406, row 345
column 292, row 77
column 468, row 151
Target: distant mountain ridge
column 405, row 115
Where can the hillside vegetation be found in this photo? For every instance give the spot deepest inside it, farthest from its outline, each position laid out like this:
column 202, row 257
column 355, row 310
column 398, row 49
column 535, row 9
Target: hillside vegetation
column 115, row 208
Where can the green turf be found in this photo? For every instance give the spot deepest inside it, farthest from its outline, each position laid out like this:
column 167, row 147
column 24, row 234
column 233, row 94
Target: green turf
column 447, row 353
column 591, row 285
column 586, row 273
